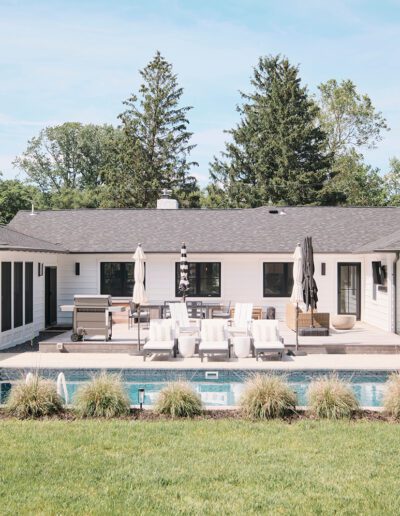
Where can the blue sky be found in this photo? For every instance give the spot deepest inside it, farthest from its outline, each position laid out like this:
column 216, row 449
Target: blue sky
column 77, row 60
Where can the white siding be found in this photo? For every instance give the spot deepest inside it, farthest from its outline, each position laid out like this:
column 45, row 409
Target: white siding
column 26, row 332
column 241, row 280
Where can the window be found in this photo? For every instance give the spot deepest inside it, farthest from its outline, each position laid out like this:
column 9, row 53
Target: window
column 278, row 279
column 116, row 278
column 5, row 296
column 28, row 292
column 18, row 295
column 204, row 279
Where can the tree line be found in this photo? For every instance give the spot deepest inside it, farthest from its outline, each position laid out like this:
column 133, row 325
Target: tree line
column 288, row 148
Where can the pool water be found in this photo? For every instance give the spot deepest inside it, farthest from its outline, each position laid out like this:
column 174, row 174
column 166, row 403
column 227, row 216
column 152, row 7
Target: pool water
column 225, row 390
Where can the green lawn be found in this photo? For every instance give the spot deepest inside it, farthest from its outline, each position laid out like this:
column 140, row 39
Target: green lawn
column 199, row 467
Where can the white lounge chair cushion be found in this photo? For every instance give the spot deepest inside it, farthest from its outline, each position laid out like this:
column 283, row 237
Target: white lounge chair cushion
column 214, row 345
column 269, row 345
column 266, row 330
column 213, row 330
column 160, row 330
column 159, row 345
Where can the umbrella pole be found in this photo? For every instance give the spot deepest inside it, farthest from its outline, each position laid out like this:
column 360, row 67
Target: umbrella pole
column 297, row 326
column 138, row 322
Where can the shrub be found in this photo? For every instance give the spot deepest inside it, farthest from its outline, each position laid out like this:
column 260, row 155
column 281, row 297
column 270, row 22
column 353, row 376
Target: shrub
column 178, row 399
column 266, row 397
column 331, row 398
column 103, row 396
column 34, row 399
column 391, row 399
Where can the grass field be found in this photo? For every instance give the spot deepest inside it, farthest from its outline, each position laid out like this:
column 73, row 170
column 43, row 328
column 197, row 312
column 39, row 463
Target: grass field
column 199, row 467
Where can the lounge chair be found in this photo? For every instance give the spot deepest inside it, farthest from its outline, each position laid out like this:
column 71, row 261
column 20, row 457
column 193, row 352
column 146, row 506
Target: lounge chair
column 161, row 338
column 214, row 339
column 266, row 338
column 242, row 317
column 181, row 321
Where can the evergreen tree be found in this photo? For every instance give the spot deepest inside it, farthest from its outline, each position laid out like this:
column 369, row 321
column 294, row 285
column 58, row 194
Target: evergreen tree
column 155, row 152
column 278, row 151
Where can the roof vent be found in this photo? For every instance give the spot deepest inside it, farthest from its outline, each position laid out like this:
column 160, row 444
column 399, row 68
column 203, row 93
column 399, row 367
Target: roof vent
column 165, row 202
column 273, row 212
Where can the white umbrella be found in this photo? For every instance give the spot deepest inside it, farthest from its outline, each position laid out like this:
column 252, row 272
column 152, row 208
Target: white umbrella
column 297, row 292
column 139, row 293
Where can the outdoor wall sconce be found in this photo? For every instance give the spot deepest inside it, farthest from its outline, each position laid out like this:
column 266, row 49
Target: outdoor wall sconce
column 141, row 398
column 323, row 269
column 40, row 269
column 77, row 269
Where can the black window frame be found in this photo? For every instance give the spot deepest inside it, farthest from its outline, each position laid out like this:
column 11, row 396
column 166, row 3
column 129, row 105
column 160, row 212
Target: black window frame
column 124, row 290
column 18, row 293
column 197, row 292
column 288, row 279
column 28, row 280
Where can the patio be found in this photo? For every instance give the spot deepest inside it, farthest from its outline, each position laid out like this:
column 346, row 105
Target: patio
column 363, row 338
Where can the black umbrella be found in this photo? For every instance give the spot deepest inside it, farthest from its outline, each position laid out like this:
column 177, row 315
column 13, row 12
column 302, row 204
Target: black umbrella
column 184, row 269
column 310, row 289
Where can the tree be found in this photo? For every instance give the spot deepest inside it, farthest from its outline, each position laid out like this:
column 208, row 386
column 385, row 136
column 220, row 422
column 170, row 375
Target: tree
column 392, row 182
column 69, row 157
column 278, row 151
column 156, row 147
column 354, row 183
column 15, row 196
column 348, row 118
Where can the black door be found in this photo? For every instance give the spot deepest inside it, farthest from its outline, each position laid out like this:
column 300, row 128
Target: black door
column 6, row 313
column 51, row 295
column 349, row 289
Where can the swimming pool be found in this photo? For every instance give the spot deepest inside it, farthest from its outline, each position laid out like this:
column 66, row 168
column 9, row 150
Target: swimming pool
column 217, row 388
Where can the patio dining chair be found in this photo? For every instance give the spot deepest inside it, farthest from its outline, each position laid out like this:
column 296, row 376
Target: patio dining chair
column 224, row 313
column 195, row 309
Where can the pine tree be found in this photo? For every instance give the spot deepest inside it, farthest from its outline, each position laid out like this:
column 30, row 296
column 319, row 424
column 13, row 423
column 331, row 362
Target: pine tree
column 155, row 153
column 277, row 153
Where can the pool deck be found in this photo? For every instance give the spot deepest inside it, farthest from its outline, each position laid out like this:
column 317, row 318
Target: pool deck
column 363, row 348
column 38, row 360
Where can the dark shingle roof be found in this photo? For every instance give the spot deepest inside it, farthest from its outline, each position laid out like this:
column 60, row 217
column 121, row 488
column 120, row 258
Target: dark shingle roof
column 390, row 242
column 334, row 229
column 14, row 240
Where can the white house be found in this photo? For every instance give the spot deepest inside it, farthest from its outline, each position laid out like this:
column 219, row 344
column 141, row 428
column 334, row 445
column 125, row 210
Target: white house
column 238, row 255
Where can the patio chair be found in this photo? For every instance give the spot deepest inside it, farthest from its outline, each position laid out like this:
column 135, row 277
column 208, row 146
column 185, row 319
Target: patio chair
column 166, row 312
column 161, row 339
column 242, row 318
column 266, row 338
column 181, row 321
column 133, row 315
column 195, row 309
column 214, row 340
column 224, row 313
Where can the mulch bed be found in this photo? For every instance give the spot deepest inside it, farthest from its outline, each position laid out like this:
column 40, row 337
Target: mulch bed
column 150, row 415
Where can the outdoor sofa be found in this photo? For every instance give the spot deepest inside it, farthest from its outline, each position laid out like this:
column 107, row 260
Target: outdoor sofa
column 320, row 319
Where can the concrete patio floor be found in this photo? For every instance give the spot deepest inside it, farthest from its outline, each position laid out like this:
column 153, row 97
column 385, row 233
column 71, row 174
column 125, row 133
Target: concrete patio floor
column 371, row 347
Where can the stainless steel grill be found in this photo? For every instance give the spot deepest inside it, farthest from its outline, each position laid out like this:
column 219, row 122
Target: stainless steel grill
column 92, row 317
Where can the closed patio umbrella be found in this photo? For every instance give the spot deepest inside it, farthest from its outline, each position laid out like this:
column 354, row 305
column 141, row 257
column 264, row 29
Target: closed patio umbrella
column 297, row 292
column 184, row 271
column 310, row 290
column 139, row 293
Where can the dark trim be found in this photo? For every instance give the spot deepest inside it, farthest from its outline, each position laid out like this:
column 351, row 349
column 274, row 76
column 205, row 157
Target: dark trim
column 199, row 294
column 50, row 274
column 6, row 296
column 358, row 299
column 18, row 294
column 28, row 292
